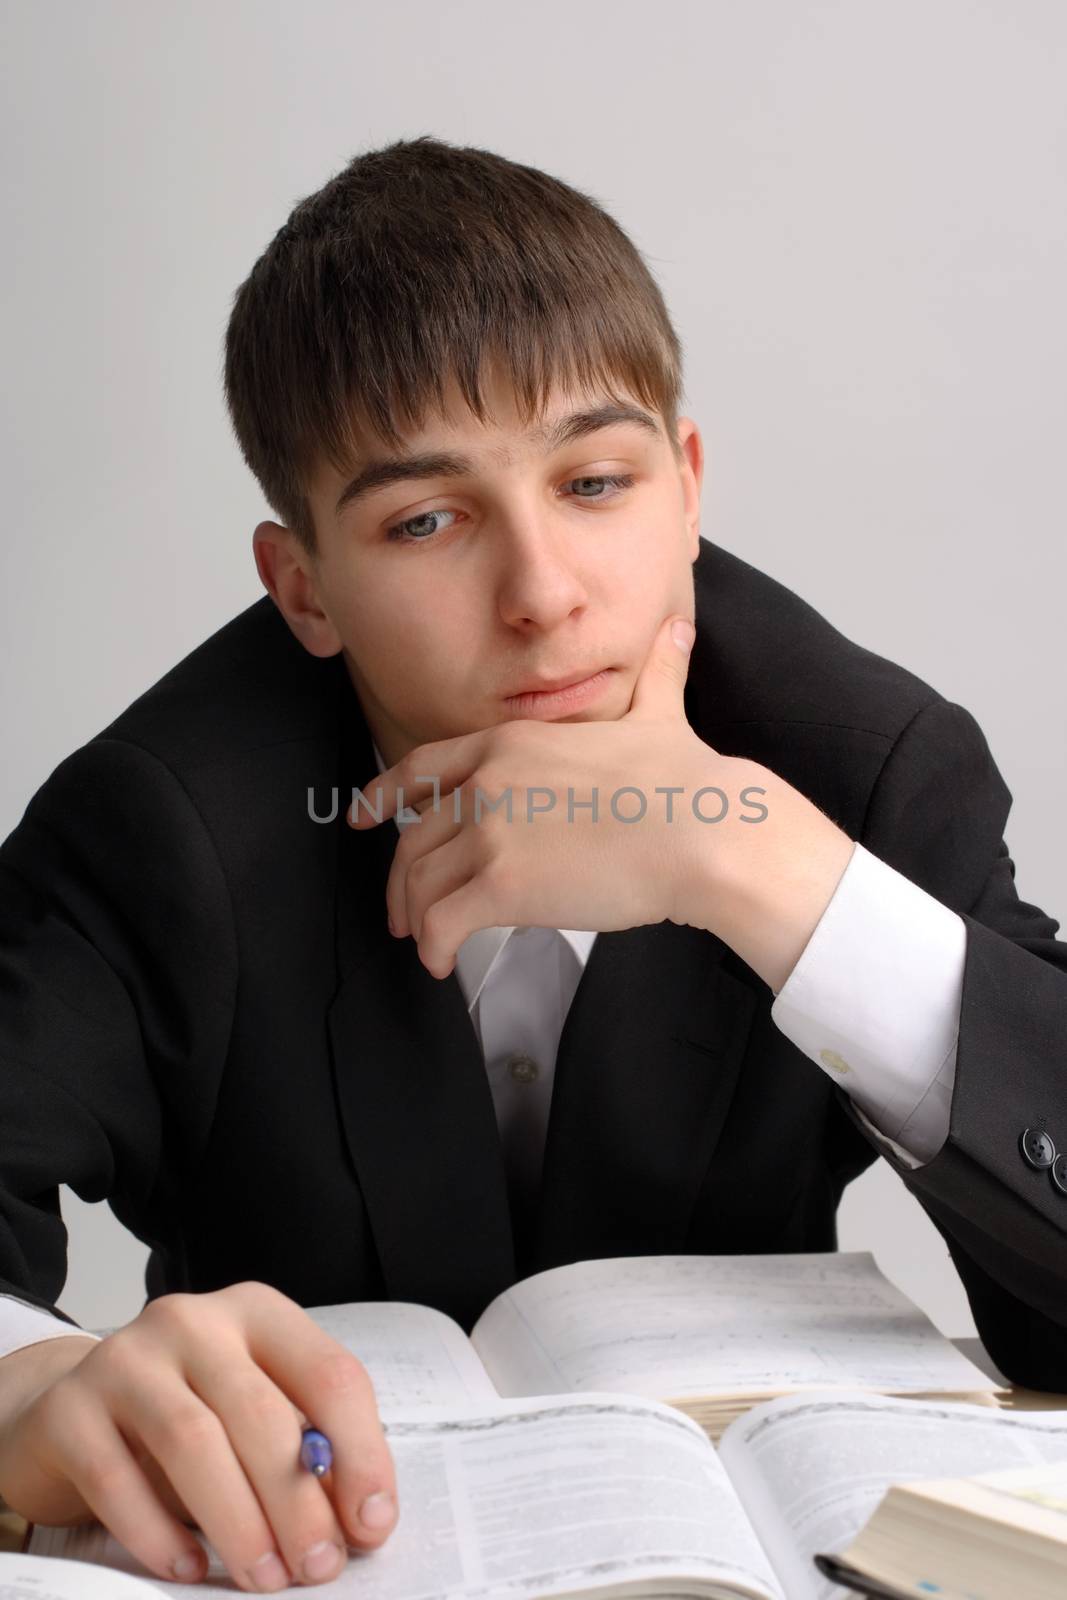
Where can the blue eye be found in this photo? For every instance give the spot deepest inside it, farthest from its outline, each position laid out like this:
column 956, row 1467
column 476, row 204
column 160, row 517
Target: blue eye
column 407, row 532
column 407, row 537
column 616, row 480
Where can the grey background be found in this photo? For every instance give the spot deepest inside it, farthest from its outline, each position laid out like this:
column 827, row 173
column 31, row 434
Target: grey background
column 856, row 212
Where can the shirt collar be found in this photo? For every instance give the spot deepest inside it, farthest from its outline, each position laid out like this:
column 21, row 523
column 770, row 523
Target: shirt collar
column 479, row 952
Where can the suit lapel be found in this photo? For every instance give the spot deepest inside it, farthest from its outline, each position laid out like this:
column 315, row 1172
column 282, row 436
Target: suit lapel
column 414, row 1098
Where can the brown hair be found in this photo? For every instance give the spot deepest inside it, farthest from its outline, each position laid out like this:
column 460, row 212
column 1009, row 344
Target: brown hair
column 415, row 263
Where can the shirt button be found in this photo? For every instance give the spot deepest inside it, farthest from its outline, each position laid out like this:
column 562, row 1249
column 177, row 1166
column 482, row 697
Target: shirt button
column 831, row 1058
column 523, row 1068
column 1058, row 1174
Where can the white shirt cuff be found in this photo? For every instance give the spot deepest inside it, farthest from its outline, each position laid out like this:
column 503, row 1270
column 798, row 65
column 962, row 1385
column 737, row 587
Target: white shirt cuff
column 875, row 1001
column 22, row 1325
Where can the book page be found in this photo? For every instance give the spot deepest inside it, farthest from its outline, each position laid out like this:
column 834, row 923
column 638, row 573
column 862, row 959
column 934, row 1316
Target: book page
column 1044, row 1486
column 534, row 1498
column 679, row 1326
column 810, row 1471
column 45, row 1578
column 415, row 1354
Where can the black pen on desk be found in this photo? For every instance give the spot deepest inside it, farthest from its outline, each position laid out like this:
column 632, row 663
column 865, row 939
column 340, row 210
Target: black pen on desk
column 316, row 1453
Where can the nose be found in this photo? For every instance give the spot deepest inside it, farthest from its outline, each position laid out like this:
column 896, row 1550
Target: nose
column 539, row 584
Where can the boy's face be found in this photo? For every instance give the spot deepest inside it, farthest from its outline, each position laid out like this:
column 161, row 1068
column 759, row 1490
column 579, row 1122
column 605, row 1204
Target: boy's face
column 508, row 569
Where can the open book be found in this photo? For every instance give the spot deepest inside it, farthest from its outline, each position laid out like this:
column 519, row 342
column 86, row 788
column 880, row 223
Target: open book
column 536, row 1458
column 608, row 1495
column 995, row 1533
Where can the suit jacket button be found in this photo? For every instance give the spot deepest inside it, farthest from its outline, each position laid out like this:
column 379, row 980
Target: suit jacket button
column 1058, row 1174
column 1037, row 1148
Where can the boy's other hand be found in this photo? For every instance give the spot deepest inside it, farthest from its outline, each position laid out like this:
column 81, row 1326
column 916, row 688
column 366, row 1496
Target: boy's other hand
column 193, row 1413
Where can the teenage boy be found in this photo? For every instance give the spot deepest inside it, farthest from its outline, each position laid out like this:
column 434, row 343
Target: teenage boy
column 785, row 941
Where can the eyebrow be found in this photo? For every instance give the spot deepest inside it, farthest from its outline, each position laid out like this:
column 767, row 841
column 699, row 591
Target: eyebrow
column 443, row 464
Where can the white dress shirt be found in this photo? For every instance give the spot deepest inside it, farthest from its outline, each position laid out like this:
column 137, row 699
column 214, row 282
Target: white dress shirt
column 874, row 1000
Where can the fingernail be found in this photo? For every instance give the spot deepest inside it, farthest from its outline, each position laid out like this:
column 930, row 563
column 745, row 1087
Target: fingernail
column 269, row 1572
column 323, row 1561
column 683, row 634
column 188, row 1568
column 378, row 1510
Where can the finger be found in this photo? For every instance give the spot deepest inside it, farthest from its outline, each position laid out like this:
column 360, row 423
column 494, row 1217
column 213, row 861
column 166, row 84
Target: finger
column 433, row 876
column 660, row 687
column 191, row 1445
column 415, row 844
column 84, row 1443
column 160, row 1482
column 334, row 1391
column 446, row 764
column 448, row 921
column 264, row 1429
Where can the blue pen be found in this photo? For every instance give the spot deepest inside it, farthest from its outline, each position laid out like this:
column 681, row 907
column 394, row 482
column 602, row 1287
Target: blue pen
column 316, row 1453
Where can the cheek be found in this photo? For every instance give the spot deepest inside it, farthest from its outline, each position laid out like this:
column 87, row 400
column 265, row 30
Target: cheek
column 377, row 620
column 659, row 582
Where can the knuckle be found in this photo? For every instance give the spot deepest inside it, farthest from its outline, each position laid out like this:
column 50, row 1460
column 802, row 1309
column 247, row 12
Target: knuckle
column 339, row 1373
column 257, row 1399
column 485, row 847
column 170, row 1311
column 371, row 1472
column 102, row 1478
column 186, row 1429
column 500, row 874
column 420, row 758
column 248, row 1535
column 490, row 779
column 253, row 1296
column 117, row 1357
column 314, row 1526
column 270, row 1298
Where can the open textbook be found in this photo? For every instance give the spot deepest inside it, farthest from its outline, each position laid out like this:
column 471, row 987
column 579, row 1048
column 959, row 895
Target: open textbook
column 708, row 1335
column 605, row 1495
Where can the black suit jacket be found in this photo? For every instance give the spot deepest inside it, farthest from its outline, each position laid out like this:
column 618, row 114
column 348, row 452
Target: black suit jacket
column 204, row 1020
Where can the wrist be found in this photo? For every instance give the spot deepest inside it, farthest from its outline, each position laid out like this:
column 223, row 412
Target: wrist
column 24, row 1373
column 772, row 880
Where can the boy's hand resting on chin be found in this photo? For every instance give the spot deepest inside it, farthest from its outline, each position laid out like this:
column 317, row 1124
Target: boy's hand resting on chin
column 679, row 831
column 544, row 867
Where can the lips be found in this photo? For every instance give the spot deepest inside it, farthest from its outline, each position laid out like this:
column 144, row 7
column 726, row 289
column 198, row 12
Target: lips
column 552, row 685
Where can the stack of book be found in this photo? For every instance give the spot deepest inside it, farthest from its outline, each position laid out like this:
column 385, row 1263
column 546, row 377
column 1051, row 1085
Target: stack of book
column 998, row 1533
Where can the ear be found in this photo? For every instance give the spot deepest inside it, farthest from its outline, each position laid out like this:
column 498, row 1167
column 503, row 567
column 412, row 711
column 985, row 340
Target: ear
column 691, row 475
column 289, row 575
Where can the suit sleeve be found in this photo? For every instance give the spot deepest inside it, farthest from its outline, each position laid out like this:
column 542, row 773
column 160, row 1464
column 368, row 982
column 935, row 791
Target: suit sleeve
column 938, row 814
column 117, row 981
